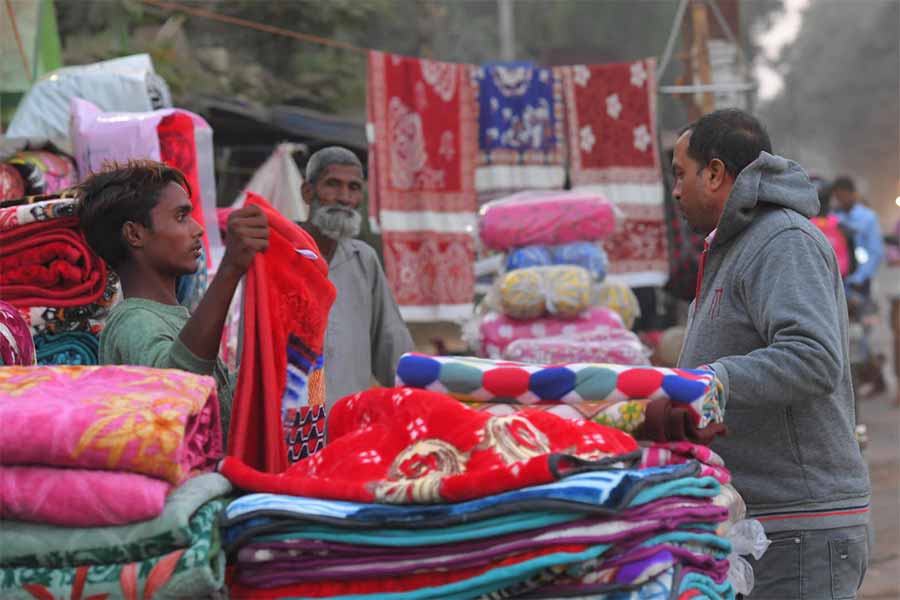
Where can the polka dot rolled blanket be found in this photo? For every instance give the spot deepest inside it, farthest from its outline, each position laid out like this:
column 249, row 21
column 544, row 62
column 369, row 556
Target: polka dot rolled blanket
column 484, row 380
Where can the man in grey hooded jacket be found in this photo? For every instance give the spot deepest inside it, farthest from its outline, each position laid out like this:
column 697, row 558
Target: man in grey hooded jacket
column 770, row 318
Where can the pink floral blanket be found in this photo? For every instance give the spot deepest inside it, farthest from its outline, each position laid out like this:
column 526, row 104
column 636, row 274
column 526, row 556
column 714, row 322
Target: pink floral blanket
column 162, row 423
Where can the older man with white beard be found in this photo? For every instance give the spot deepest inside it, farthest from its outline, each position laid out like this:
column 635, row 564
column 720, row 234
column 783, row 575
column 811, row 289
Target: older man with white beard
column 366, row 335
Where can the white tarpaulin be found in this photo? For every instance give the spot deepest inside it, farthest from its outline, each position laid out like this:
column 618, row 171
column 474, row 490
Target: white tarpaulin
column 278, row 180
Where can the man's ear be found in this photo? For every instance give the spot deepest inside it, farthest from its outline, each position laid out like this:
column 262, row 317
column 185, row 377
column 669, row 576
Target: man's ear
column 306, row 189
column 717, row 175
column 133, row 234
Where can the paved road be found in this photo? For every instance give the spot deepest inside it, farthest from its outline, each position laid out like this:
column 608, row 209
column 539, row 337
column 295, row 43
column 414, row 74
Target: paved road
column 882, row 417
column 882, row 580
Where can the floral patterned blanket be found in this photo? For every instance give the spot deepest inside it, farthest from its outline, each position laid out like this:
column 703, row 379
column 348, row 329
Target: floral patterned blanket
column 409, row 446
column 162, row 423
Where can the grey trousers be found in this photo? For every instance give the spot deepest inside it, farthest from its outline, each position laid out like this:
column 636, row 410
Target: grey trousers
column 812, row 565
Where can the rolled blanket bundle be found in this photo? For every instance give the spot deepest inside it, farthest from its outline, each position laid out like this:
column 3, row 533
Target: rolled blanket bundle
column 46, row 172
column 71, row 275
column 497, row 330
column 11, row 183
column 547, row 218
column 602, row 345
column 620, row 298
column 16, row 344
column 587, row 255
column 698, row 392
column 69, row 348
column 535, row 291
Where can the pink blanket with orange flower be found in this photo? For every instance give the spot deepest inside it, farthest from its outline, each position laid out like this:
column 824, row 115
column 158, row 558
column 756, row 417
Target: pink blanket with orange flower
column 161, row 423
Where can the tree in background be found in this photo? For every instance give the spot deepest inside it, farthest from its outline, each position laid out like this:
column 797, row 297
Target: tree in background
column 198, row 55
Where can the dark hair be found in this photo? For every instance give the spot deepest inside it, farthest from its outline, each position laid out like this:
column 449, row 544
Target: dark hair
column 843, row 183
column 120, row 193
column 731, row 135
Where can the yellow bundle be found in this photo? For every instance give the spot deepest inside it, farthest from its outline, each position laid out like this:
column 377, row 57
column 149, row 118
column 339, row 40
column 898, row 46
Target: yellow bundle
column 620, row 298
column 563, row 291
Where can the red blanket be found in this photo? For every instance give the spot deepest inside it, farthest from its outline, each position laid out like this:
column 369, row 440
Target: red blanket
column 611, row 114
column 49, row 263
column 286, row 302
column 403, row 445
column 423, row 165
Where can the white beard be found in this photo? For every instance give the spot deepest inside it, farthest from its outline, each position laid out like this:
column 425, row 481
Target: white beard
column 335, row 222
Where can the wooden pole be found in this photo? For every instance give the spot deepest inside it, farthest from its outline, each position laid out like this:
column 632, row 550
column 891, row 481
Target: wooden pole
column 700, row 53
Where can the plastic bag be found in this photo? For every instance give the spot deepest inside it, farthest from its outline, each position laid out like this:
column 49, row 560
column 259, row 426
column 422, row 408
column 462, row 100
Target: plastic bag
column 601, row 345
column 747, row 537
column 495, row 331
column 587, row 255
column 620, row 298
column 121, row 84
column 547, row 218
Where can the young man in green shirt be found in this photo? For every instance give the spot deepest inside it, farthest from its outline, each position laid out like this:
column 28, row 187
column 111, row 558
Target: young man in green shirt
column 137, row 217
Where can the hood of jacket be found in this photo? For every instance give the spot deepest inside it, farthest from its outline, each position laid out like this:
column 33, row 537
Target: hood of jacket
column 770, row 181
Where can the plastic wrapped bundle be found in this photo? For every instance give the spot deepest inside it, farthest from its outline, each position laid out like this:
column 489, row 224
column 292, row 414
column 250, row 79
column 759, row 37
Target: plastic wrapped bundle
column 530, row 293
column 620, row 298
column 529, row 256
column 548, row 218
column 583, row 254
column 45, row 172
column 496, row 330
column 587, row 255
column 602, row 345
column 11, row 183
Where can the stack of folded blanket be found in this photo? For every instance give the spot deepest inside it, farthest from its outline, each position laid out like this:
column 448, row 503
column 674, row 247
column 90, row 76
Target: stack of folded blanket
column 418, row 496
column 550, row 281
column 51, row 275
column 105, row 489
column 657, row 404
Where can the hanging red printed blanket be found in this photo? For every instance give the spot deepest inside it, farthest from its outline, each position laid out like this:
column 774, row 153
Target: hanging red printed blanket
column 613, row 150
column 423, row 152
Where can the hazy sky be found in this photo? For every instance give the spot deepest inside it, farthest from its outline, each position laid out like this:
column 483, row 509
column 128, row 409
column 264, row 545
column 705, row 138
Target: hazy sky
column 782, row 33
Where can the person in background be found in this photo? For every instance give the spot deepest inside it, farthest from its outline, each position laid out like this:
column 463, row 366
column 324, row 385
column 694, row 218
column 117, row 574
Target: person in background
column 770, row 319
column 366, row 335
column 137, row 217
column 868, row 250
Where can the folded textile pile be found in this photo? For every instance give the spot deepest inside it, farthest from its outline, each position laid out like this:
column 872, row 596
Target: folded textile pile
column 122, row 446
column 554, row 270
column 477, row 506
column 661, row 404
column 59, row 285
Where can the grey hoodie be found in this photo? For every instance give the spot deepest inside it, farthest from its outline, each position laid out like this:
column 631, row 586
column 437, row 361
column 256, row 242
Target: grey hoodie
column 771, row 320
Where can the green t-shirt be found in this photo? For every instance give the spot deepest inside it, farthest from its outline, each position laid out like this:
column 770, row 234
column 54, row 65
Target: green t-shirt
column 144, row 332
